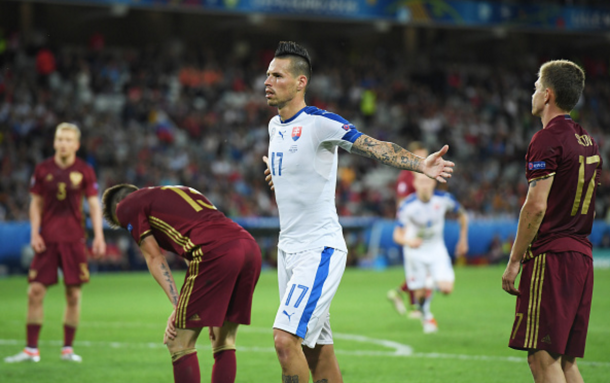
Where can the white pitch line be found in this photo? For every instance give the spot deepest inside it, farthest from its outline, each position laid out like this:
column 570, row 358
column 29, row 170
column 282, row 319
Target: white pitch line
column 401, row 350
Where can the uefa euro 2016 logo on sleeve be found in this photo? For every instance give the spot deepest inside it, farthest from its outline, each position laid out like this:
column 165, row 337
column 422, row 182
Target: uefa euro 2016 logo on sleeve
column 296, row 132
column 538, row 165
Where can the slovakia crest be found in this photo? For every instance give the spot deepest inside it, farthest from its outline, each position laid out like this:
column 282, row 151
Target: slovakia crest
column 296, row 132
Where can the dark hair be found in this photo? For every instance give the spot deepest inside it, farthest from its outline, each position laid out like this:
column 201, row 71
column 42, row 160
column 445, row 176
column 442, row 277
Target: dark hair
column 111, row 198
column 301, row 62
column 566, row 79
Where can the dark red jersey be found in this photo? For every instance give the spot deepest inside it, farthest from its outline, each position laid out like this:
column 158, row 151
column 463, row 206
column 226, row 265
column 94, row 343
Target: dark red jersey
column 62, row 191
column 404, row 185
column 566, row 151
column 181, row 219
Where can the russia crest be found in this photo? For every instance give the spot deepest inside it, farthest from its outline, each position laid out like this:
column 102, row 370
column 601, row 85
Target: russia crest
column 296, row 132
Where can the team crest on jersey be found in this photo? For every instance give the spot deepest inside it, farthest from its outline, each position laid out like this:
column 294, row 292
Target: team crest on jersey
column 273, row 132
column 296, row 132
column 76, row 178
column 536, row 165
column 49, row 178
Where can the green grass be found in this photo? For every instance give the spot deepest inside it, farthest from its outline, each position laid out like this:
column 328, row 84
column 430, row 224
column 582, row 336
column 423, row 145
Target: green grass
column 123, row 319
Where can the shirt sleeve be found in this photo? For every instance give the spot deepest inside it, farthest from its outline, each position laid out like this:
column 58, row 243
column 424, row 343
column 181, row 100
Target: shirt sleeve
column 36, row 181
column 133, row 217
column 90, row 186
column 452, row 204
column 542, row 156
column 335, row 129
column 401, row 216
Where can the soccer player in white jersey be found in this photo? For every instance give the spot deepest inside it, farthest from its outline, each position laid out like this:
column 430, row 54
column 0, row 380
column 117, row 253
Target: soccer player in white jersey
column 302, row 168
column 419, row 229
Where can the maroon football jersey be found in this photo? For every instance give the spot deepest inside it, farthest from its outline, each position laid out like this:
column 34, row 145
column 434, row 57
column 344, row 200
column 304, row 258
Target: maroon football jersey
column 62, row 191
column 181, row 219
column 564, row 149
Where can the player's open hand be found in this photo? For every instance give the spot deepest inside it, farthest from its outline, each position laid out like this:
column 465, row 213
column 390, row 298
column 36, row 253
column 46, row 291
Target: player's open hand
column 98, row 247
column 268, row 173
column 509, row 276
column 170, row 329
column 436, row 167
column 38, row 243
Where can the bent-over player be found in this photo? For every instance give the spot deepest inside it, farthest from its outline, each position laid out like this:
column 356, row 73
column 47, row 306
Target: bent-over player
column 224, row 266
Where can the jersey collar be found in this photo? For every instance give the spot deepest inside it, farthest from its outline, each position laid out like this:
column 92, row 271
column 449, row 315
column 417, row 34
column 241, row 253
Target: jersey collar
column 293, row 117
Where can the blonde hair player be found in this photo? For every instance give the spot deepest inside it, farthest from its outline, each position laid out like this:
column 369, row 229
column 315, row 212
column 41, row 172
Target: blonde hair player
column 59, row 185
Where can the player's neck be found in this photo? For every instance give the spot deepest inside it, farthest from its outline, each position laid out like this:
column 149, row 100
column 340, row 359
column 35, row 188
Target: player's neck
column 549, row 113
column 64, row 162
column 290, row 109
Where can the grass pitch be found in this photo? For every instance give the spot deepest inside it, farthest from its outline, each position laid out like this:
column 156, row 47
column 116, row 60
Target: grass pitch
column 124, row 315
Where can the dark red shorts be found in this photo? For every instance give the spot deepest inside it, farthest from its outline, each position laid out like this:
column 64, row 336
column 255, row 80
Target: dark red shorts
column 554, row 304
column 70, row 257
column 219, row 286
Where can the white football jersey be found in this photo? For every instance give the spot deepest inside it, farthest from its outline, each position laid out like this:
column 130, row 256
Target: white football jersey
column 303, row 159
column 426, row 219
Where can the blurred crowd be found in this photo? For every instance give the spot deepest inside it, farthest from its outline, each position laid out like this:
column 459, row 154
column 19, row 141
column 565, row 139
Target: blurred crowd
column 169, row 114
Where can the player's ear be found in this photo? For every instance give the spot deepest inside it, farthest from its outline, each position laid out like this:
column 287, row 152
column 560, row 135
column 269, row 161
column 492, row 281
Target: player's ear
column 548, row 95
column 302, row 82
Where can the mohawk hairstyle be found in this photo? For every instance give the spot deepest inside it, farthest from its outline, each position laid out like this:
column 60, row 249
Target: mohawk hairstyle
column 111, row 198
column 301, row 62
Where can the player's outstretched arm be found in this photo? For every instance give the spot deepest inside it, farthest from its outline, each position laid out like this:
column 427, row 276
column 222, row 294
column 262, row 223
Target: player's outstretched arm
column 389, row 153
column 158, row 267
column 530, row 218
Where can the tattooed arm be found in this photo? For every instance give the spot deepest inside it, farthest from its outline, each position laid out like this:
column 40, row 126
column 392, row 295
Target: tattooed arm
column 396, row 156
column 530, row 218
column 158, row 267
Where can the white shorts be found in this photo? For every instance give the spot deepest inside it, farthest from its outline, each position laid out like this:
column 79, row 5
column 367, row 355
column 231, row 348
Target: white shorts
column 432, row 260
column 308, row 281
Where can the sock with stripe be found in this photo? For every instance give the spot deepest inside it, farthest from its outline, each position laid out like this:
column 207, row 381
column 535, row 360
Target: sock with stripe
column 186, row 369
column 33, row 333
column 69, row 332
column 225, row 366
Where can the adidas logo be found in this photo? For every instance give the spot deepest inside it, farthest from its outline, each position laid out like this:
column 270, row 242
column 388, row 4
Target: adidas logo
column 195, row 317
column 547, row 339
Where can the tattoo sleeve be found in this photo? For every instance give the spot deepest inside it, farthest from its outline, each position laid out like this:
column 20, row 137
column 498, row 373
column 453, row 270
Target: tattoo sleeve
column 170, row 281
column 387, row 153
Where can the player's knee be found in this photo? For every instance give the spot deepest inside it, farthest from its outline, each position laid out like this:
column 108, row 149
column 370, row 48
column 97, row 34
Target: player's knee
column 36, row 292
column 445, row 288
column 73, row 296
column 285, row 343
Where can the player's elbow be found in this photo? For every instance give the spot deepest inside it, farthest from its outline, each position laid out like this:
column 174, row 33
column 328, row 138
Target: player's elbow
column 536, row 208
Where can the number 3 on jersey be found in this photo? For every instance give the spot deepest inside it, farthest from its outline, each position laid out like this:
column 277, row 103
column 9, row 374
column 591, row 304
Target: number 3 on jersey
column 280, row 157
